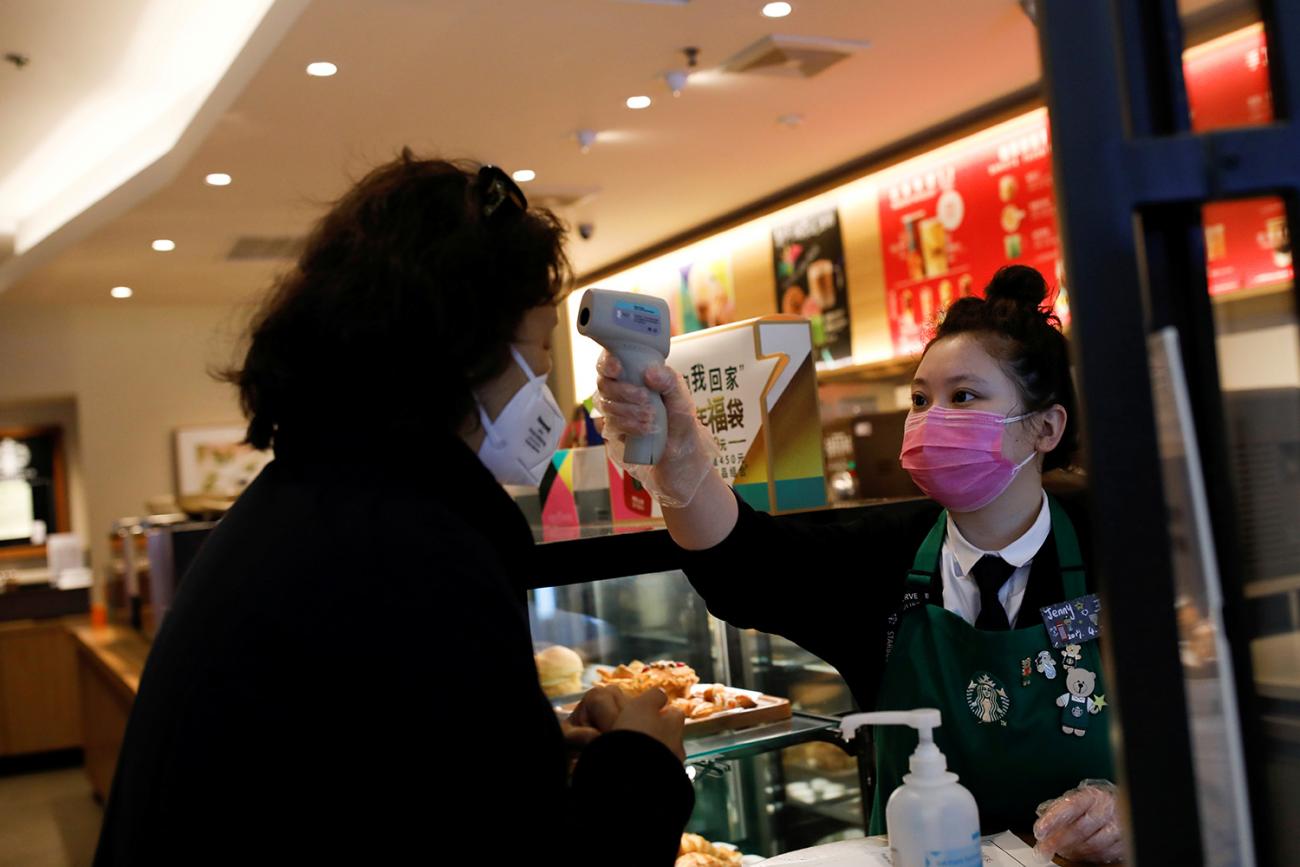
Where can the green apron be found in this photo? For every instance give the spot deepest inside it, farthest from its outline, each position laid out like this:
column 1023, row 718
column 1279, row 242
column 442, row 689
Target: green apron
column 1004, row 739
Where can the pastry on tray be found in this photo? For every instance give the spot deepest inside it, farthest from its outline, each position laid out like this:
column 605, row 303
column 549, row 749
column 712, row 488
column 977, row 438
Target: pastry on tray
column 695, row 851
column 706, row 701
column 560, row 671
column 674, row 678
column 681, row 684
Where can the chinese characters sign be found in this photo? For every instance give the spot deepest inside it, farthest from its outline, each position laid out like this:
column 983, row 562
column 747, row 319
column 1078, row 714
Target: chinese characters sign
column 720, row 409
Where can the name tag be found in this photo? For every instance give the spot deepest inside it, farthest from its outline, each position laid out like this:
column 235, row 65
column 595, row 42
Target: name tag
column 1073, row 622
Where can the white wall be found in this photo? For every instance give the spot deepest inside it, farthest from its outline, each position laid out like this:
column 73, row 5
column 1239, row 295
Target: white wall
column 134, row 374
column 1260, row 358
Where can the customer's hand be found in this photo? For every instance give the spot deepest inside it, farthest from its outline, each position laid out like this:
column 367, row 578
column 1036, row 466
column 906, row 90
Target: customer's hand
column 575, row 736
column 1081, row 825
column 689, row 451
column 599, row 708
column 647, row 714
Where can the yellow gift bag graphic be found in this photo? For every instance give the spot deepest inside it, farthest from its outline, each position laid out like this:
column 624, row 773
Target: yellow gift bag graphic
column 754, row 384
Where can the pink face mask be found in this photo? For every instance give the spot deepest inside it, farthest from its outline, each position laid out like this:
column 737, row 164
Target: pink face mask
column 955, row 456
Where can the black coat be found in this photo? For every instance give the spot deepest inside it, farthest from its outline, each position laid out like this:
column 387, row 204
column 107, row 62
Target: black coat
column 347, row 676
column 832, row 589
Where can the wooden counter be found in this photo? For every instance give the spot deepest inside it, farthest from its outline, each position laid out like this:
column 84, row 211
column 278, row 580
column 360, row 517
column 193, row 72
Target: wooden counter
column 38, row 688
column 110, row 660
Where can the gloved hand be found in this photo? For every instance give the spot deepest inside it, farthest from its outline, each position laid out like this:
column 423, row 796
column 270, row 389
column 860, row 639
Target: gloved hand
column 689, row 452
column 1081, row 825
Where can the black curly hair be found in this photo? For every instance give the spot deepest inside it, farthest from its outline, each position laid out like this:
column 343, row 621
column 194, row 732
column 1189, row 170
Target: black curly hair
column 1015, row 327
column 404, row 301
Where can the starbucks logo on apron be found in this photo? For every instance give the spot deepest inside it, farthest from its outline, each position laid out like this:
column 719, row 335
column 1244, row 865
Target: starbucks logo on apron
column 987, row 698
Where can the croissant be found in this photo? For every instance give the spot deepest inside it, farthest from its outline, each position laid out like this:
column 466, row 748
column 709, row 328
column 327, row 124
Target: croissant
column 699, row 859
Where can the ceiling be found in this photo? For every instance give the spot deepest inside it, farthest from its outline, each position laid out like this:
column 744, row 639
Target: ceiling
column 505, row 81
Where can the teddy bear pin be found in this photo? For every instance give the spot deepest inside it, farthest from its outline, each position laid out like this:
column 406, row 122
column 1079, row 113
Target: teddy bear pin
column 1076, row 703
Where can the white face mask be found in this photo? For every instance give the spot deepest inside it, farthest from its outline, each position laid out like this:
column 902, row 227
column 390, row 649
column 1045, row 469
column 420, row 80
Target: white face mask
column 520, row 443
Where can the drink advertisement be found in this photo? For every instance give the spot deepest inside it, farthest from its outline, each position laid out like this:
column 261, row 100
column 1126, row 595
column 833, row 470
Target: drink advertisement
column 950, row 219
column 808, row 256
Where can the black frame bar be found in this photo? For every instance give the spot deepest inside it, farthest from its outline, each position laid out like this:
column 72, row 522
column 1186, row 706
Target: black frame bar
column 1130, row 180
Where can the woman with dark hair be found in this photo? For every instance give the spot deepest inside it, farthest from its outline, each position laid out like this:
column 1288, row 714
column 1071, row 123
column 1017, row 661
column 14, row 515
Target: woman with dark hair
column 346, row 675
column 946, row 611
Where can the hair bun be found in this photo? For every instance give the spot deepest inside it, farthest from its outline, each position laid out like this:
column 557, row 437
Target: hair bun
column 1019, row 284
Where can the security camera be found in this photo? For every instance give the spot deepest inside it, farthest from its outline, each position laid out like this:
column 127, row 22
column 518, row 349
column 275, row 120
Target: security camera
column 586, row 230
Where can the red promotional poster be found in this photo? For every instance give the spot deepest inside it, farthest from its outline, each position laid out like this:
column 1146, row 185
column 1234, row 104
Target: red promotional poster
column 950, row 219
column 1246, row 241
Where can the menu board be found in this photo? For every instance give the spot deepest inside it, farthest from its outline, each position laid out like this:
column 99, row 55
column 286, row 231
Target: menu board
column 1246, row 241
column 950, row 219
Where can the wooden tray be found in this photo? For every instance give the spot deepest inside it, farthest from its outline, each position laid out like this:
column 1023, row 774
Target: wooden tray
column 770, row 709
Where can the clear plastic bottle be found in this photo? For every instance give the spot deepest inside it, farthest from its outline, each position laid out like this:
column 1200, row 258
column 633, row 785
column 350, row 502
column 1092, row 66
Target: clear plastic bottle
column 932, row 820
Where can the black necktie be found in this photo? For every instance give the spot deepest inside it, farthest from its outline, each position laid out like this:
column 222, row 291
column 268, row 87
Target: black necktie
column 990, row 573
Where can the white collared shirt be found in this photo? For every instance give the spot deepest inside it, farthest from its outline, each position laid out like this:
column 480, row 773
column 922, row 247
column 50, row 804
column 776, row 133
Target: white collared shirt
column 961, row 593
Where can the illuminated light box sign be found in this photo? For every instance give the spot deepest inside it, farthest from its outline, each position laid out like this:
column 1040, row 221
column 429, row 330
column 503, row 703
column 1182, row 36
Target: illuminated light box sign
column 1247, row 245
column 951, row 218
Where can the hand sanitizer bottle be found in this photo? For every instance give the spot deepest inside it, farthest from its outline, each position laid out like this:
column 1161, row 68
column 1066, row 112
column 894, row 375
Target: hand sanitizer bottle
column 932, row 820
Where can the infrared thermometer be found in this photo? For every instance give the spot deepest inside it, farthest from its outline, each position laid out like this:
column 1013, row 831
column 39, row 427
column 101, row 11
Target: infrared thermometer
column 636, row 329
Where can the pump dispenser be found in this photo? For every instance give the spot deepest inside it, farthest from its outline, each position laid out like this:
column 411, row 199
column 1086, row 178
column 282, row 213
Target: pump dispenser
column 932, row 820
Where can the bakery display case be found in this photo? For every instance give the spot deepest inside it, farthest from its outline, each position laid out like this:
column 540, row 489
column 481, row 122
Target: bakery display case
column 615, row 597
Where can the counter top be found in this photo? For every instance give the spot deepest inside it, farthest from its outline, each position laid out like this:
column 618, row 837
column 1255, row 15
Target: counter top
column 1003, row 849
column 117, row 651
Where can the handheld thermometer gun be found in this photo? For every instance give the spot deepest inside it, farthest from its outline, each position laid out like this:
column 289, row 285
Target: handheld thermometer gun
column 636, row 329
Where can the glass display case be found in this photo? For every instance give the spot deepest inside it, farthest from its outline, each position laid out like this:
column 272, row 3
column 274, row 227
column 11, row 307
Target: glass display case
column 615, row 596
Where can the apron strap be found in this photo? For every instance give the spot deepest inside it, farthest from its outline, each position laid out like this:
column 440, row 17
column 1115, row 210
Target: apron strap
column 926, row 564
column 1067, row 551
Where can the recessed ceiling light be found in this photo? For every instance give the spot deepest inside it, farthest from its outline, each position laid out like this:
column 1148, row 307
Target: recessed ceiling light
column 218, row 179
column 162, row 245
column 321, row 69
column 121, row 292
column 638, row 102
column 523, row 176
column 777, row 10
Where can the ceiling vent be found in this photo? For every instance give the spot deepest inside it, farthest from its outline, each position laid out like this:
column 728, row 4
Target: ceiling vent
column 562, row 199
column 792, row 56
column 252, row 248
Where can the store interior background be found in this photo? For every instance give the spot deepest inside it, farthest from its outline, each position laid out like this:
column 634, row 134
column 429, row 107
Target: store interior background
column 510, row 85
column 113, row 124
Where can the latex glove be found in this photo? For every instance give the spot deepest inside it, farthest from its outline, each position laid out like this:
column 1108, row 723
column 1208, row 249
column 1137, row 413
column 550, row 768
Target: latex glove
column 689, row 451
column 1081, row 825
